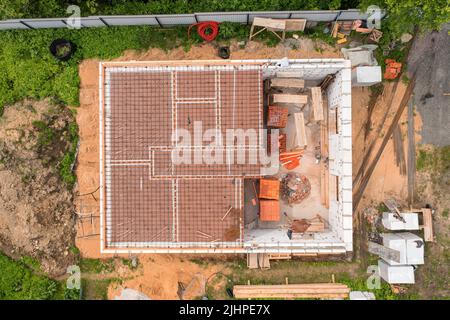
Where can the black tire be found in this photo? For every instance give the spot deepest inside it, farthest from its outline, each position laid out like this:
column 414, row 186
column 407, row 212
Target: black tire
column 58, row 44
column 224, row 52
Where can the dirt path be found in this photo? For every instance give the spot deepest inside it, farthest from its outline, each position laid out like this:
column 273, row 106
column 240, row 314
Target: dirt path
column 429, row 56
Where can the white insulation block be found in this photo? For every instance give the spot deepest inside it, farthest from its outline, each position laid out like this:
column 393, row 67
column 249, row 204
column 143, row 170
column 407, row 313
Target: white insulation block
column 396, row 274
column 391, row 222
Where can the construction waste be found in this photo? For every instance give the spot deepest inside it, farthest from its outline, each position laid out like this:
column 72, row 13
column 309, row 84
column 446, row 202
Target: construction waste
column 295, row 188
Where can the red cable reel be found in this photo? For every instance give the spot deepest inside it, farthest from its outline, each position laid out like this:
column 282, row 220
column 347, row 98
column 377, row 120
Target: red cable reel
column 207, row 30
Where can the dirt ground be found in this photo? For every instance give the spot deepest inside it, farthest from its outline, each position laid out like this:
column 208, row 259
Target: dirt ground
column 36, row 208
column 386, row 180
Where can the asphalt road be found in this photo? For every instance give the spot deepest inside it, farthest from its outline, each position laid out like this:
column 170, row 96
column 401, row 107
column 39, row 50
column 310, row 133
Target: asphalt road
column 430, row 58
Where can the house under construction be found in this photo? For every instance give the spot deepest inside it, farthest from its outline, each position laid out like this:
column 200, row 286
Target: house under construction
column 301, row 203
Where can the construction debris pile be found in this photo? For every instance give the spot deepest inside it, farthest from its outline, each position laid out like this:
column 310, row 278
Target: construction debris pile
column 295, row 188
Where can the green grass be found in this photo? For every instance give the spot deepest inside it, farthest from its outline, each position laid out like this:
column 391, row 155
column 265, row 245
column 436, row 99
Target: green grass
column 29, row 70
column 360, row 284
column 19, row 281
column 96, row 265
column 445, row 212
column 435, row 160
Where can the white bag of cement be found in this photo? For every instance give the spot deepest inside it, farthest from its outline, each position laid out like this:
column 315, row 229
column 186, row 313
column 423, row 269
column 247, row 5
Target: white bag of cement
column 361, row 56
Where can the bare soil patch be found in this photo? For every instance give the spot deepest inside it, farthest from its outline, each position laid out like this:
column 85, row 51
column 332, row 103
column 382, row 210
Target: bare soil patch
column 36, row 208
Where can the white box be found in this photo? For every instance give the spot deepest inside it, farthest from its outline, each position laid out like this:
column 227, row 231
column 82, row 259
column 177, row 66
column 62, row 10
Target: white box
column 390, row 222
column 366, row 76
column 361, row 295
column 410, row 246
column 395, row 242
column 414, row 248
column 396, row 274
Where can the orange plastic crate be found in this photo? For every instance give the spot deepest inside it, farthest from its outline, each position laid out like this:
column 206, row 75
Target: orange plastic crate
column 269, row 210
column 269, row 189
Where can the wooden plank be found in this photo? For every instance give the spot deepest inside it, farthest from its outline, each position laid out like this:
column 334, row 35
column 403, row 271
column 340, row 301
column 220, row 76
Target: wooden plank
column 300, row 129
column 280, row 256
column 289, row 74
column 324, row 171
column 263, row 260
column 252, row 260
column 427, row 225
column 295, row 24
column 317, row 103
column 287, row 83
column 335, row 29
column 277, row 24
column 290, row 98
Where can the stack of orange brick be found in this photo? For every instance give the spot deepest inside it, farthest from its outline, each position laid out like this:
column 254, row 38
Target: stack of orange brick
column 277, row 117
column 269, row 193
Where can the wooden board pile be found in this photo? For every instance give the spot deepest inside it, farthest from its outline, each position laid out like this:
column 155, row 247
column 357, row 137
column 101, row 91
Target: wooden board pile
column 342, row 29
column 295, row 188
column 291, row 160
column 289, row 291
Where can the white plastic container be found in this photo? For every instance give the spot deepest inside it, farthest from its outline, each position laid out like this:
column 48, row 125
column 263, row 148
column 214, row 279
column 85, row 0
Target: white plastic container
column 396, row 274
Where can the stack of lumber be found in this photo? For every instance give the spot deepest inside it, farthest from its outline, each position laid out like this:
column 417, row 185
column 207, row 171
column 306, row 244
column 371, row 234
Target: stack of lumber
column 287, row 83
column 300, row 130
column 290, row 98
column 291, row 160
column 289, row 291
column 317, row 103
column 274, row 25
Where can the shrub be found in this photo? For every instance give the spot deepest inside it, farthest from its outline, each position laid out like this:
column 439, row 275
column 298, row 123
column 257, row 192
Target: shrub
column 17, row 282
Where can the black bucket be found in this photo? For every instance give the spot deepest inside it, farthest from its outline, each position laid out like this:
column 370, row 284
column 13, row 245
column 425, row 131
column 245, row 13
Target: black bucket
column 62, row 49
column 224, row 52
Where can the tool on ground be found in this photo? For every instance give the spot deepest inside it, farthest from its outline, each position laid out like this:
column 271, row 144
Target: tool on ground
column 207, row 30
column 291, row 160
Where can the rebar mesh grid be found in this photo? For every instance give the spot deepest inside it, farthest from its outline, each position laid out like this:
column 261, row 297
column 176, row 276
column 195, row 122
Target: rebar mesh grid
column 153, row 202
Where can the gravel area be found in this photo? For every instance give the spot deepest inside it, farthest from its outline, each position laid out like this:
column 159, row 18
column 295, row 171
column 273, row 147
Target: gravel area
column 430, row 57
